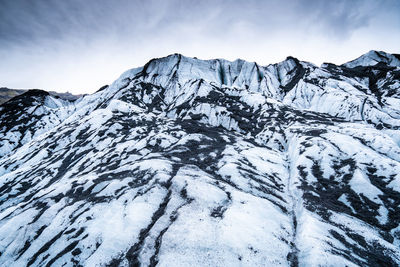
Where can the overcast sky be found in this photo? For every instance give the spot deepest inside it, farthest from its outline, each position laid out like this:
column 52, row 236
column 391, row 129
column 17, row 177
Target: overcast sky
column 78, row 46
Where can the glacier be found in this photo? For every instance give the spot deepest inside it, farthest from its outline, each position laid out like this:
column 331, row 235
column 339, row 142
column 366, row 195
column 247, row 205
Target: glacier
column 189, row 162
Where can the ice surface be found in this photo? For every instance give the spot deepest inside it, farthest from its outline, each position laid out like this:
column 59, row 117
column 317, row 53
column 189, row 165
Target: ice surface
column 188, row 162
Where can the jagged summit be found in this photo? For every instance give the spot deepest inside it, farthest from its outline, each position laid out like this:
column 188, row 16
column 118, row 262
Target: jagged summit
column 177, row 70
column 189, row 162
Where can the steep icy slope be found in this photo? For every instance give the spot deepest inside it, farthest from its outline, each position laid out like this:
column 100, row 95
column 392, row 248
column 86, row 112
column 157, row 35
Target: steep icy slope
column 207, row 163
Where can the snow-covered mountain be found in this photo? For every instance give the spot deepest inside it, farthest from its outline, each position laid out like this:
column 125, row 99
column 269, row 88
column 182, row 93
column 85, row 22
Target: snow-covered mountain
column 188, row 162
column 373, row 58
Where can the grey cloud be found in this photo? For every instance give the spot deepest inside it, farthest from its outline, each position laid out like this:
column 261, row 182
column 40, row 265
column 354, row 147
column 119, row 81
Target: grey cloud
column 84, row 35
column 339, row 18
column 32, row 21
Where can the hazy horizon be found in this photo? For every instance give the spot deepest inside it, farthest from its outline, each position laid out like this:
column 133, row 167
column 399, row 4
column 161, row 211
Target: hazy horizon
column 79, row 46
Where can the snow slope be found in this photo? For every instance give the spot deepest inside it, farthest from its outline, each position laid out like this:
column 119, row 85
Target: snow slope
column 188, row 162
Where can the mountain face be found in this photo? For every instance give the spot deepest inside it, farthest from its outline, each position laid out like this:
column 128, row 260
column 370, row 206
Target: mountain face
column 188, row 162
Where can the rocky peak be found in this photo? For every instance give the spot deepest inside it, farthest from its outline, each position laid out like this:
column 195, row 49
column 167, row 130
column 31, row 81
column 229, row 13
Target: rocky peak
column 373, row 58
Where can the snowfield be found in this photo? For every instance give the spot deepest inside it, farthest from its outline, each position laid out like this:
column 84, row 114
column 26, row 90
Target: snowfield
column 188, row 162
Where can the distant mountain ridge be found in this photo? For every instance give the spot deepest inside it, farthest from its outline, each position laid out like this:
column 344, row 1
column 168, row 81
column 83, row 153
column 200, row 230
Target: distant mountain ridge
column 189, row 162
column 7, row 93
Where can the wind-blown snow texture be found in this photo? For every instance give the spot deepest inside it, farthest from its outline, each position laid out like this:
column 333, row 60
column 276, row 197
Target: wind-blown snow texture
column 188, row 162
